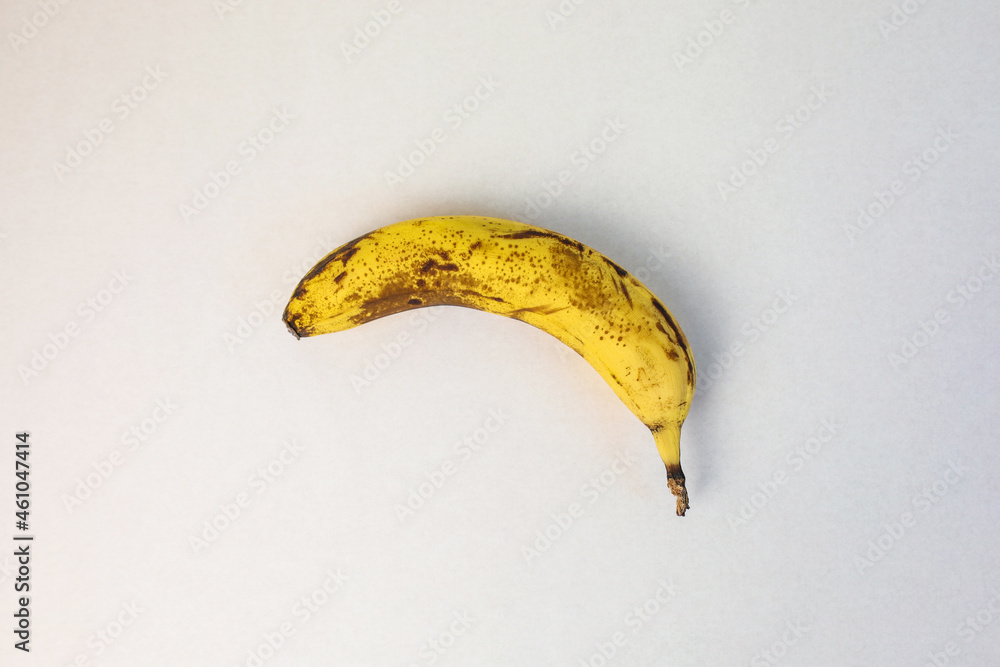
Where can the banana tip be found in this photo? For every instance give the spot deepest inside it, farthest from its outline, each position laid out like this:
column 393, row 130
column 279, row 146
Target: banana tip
column 292, row 330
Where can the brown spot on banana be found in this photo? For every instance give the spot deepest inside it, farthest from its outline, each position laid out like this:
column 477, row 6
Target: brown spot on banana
column 542, row 233
column 674, row 329
column 341, row 254
column 432, row 265
column 622, row 273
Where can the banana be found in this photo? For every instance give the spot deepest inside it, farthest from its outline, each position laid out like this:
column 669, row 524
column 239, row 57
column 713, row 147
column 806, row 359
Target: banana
column 527, row 273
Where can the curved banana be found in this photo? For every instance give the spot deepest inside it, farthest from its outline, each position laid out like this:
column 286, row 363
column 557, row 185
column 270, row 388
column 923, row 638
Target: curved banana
column 521, row 271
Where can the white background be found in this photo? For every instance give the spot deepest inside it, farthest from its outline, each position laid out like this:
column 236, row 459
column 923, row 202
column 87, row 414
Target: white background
column 872, row 540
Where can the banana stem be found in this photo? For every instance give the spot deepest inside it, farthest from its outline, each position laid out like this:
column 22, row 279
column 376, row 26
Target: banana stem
column 668, row 443
column 675, row 482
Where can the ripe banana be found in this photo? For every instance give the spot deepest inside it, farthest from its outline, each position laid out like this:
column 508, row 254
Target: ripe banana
column 521, row 271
